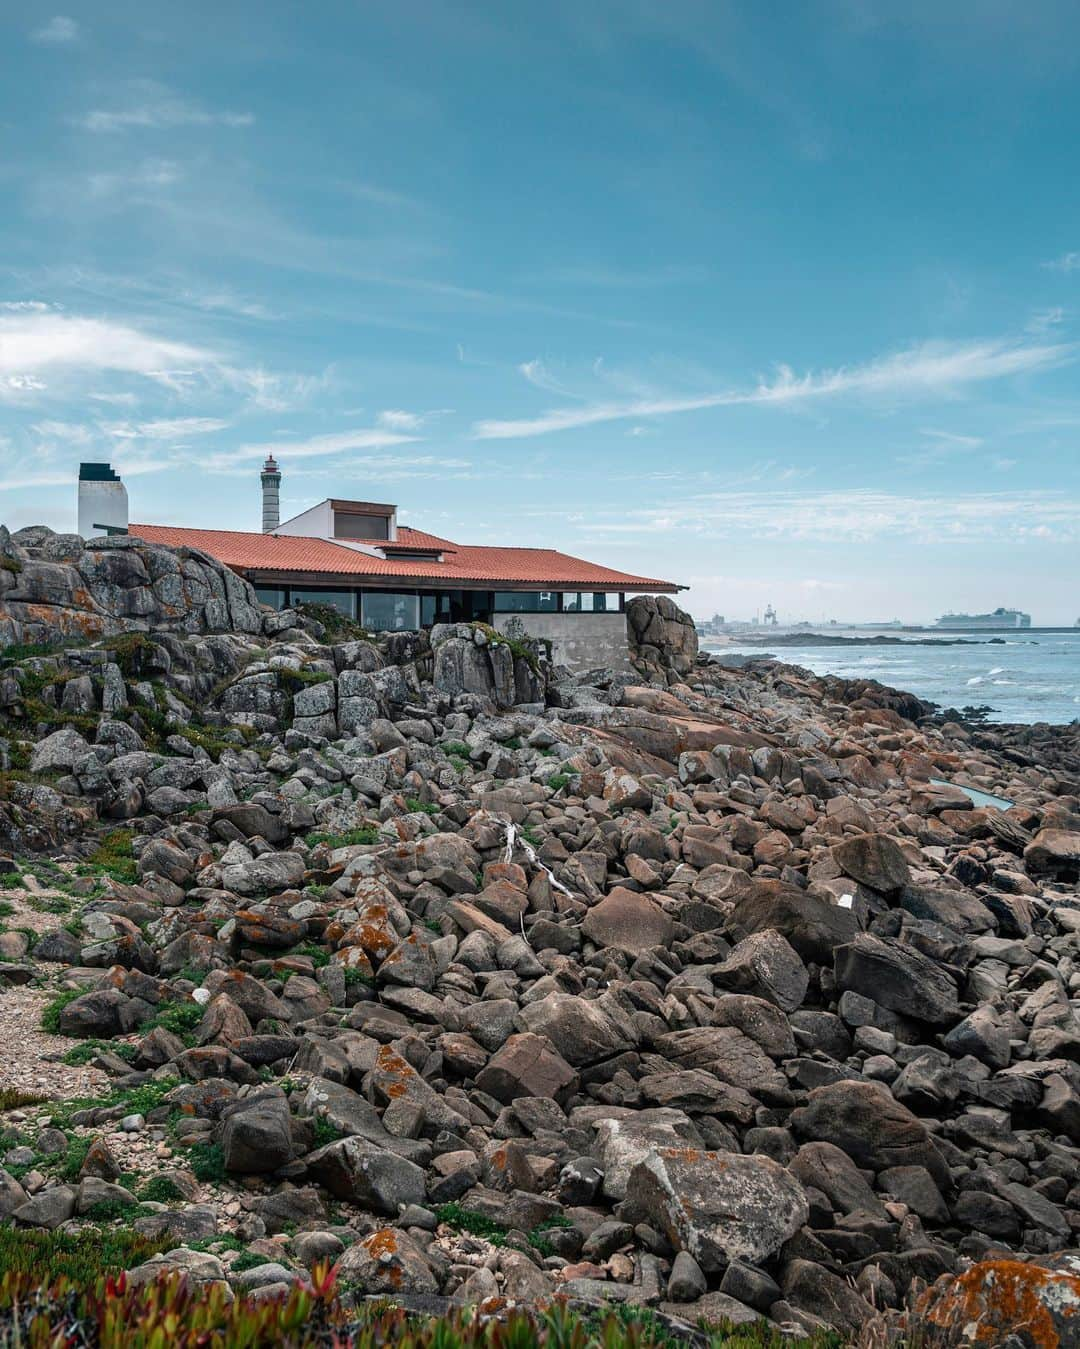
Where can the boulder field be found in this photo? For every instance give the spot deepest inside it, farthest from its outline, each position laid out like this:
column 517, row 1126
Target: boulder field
column 693, row 989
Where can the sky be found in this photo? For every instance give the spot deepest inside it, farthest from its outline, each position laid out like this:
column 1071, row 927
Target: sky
column 779, row 302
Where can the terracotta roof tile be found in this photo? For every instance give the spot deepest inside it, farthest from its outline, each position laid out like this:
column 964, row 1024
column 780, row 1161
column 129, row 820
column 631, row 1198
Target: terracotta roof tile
column 250, row 552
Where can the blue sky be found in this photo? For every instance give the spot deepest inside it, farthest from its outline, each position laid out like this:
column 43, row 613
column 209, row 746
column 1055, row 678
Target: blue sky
column 778, row 301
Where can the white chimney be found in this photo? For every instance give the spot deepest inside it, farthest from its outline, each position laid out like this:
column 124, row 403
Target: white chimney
column 271, row 493
column 103, row 501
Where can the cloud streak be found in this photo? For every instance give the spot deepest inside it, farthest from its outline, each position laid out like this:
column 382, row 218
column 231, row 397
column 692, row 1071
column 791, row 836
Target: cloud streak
column 156, row 108
column 848, row 517
column 933, row 368
column 57, row 32
column 34, row 344
column 315, row 447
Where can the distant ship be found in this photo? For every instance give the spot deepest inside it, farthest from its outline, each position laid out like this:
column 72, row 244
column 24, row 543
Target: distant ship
column 1000, row 618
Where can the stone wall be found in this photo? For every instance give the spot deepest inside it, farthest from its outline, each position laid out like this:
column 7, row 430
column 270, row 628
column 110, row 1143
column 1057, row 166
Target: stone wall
column 663, row 639
column 54, row 586
column 580, row 641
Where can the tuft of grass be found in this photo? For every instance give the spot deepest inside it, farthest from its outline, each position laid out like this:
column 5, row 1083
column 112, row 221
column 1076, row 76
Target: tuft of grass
column 160, row 1190
column 207, row 1162
column 558, row 781
column 14, row 1098
column 50, row 1016
column 114, row 857
column 365, row 834
column 414, row 806
column 318, row 955
column 83, row 1256
column 180, row 1018
column 88, row 1050
column 325, row 1131
column 473, row 1223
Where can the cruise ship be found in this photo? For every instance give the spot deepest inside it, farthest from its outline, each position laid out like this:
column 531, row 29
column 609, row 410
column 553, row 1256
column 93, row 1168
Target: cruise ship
column 1000, row 618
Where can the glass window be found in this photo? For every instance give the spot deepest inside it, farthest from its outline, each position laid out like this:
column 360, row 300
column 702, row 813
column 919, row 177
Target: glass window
column 606, row 603
column 347, row 526
column 427, row 609
column 384, row 611
column 272, row 595
column 526, row 601
column 345, row 600
column 580, row 602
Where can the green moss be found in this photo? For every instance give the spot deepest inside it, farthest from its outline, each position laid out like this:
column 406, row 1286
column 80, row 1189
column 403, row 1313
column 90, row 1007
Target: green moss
column 558, row 781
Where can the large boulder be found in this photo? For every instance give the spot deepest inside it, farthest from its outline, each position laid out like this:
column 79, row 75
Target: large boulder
column 899, row 977
column 1054, row 853
column 662, row 637
column 365, row 1174
column 765, row 965
column 863, row 1120
column 627, row 920
column 581, row 1029
column 718, row 1206
column 812, row 924
column 1004, row 1301
column 527, row 1065
column 874, row 860
column 257, row 1136
column 386, row 1263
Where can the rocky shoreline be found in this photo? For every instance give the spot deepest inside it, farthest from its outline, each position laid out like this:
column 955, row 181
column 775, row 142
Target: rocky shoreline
column 688, row 989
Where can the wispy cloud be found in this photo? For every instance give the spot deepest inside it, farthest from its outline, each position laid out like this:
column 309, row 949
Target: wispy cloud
column 314, row 447
column 399, row 420
column 36, row 344
column 59, row 30
column 857, row 516
column 164, row 428
column 154, row 107
column 1067, row 262
column 934, row 368
column 147, row 176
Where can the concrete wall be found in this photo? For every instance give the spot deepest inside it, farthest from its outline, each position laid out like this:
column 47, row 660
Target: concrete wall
column 101, row 504
column 581, row 641
column 314, row 523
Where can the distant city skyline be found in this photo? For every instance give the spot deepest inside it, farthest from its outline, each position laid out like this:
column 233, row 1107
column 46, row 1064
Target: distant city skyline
column 780, row 302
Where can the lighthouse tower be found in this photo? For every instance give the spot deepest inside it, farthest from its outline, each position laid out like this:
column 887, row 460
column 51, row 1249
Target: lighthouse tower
column 271, row 495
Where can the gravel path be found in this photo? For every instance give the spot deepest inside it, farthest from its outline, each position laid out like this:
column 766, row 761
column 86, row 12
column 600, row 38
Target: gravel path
column 25, row 1049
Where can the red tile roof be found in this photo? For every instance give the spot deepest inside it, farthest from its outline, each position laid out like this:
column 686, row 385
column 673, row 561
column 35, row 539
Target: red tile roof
column 463, row 563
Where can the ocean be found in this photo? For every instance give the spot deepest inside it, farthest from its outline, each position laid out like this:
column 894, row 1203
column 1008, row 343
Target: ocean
column 1032, row 677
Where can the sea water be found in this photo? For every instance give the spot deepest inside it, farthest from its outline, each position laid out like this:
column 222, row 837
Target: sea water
column 1023, row 677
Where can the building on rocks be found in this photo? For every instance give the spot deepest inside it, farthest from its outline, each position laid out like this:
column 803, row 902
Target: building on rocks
column 355, row 556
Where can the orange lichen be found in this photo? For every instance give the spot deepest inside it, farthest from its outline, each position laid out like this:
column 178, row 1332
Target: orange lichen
column 389, row 1065
column 383, row 1242
column 998, row 1297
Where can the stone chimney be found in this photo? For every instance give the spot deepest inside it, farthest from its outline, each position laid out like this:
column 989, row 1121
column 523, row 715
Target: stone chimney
column 103, row 501
column 271, row 493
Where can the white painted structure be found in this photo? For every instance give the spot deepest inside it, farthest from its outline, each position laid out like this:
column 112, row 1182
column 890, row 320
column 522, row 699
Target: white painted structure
column 271, row 495
column 103, row 501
